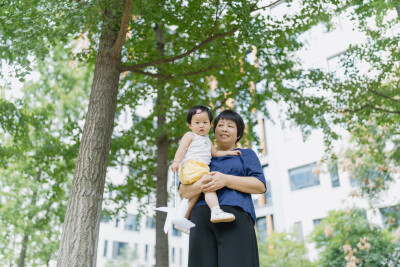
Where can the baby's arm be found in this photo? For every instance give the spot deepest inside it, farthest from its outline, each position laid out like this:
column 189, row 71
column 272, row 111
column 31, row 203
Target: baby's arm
column 180, row 153
column 219, row 153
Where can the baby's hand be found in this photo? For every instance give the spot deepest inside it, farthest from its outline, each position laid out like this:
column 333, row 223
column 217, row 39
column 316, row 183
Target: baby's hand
column 175, row 166
column 235, row 153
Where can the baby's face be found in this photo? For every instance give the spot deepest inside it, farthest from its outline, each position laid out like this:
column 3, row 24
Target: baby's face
column 200, row 124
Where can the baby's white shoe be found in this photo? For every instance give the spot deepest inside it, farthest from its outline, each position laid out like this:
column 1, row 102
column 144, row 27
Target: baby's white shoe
column 182, row 224
column 218, row 215
column 183, row 230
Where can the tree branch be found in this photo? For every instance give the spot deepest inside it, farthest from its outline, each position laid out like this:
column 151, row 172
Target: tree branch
column 201, row 71
column 210, row 38
column 372, row 107
column 267, row 6
column 126, row 15
column 383, row 95
column 103, row 15
column 161, row 76
column 216, row 18
column 154, row 75
column 171, row 59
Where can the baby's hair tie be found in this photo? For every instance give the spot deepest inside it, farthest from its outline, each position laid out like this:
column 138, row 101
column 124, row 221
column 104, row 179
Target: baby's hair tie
column 199, row 111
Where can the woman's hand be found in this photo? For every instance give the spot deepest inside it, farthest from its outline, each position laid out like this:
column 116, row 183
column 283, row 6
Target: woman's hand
column 213, row 181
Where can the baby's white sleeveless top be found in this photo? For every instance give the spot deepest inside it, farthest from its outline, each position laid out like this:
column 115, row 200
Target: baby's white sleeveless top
column 199, row 149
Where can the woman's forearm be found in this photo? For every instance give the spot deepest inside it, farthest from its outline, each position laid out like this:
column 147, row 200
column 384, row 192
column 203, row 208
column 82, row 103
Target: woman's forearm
column 249, row 185
column 190, row 190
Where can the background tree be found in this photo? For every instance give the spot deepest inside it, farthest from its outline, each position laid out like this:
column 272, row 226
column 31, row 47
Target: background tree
column 40, row 138
column 372, row 159
column 283, row 250
column 346, row 238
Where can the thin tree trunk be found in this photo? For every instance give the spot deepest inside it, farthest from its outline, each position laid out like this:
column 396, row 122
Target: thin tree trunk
column 162, row 197
column 79, row 240
column 22, row 255
column 398, row 10
column 162, row 165
column 24, row 246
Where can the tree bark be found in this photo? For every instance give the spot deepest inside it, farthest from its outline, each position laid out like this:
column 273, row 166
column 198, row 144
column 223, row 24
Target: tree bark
column 162, row 164
column 79, row 240
column 22, row 255
column 162, row 196
column 25, row 240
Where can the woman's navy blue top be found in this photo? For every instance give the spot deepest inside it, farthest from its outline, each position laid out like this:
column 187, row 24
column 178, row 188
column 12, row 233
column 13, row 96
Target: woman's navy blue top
column 247, row 165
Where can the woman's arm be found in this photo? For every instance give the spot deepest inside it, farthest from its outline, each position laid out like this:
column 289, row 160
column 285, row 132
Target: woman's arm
column 218, row 180
column 191, row 190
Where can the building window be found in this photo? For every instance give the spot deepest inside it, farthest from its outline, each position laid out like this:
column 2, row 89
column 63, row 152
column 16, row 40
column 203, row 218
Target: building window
column 298, row 230
column 131, row 223
column 317, row 221
column 176, row 232
column 173, row 255
column 135, row 251
column 105, row 248
column 146, row 252
column 255, row 202
column 150, row 222
column 261, row 226
column 117, row 221
column 268, row 195
column 119, row 250
column 180, row 256
column 391, row 216
column 303, row 177
column 333, row 172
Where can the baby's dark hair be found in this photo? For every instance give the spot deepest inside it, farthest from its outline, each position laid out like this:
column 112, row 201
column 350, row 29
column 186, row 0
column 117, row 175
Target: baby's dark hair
column 193, row 110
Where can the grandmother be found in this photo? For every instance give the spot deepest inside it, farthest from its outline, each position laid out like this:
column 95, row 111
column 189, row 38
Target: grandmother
column 234, row 178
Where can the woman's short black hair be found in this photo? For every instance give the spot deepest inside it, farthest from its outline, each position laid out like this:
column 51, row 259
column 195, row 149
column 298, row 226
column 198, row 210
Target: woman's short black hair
column 232, row 116
column 193, row 110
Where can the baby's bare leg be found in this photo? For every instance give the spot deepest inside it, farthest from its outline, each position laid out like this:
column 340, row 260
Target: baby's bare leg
column 192, row 201
column 217, row 214
column 211, row 199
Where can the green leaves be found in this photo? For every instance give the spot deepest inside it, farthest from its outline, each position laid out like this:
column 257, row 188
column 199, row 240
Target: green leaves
column 283, row 250
column 346, row 236
column 40, row 135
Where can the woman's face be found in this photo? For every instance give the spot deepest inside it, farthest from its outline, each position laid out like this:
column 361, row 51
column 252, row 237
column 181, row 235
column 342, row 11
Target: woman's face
column 226, row 133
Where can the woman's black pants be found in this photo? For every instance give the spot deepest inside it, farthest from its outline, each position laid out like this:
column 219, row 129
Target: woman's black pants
column 231, row 244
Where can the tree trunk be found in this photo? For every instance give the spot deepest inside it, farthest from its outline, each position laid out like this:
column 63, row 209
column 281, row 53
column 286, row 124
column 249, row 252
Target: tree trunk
column 79, row 240
column 162, row 197
column 22, row 255
column 24, row 247
column 162, row 165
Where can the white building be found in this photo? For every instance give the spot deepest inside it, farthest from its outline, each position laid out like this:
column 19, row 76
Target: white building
column 299, row 198
column 132, row 239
